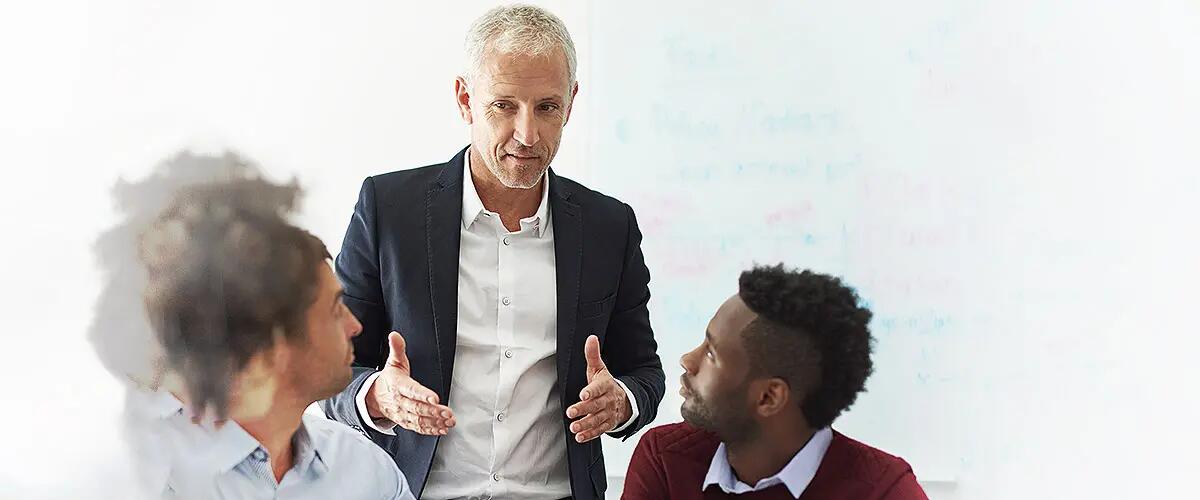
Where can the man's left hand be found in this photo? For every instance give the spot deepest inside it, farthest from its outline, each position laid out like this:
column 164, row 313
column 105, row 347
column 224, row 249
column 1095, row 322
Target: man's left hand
column 603, row 404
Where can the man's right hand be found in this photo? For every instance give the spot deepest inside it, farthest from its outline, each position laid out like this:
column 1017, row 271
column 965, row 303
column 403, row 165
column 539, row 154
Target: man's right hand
column 397, row 397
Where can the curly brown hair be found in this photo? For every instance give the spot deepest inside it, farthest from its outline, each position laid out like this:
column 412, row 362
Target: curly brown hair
column 811, row 332
column 227, row 276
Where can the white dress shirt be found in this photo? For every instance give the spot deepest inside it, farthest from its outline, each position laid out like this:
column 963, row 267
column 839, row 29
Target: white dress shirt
column 177, row 458
column 509, row 439
column 795, row 475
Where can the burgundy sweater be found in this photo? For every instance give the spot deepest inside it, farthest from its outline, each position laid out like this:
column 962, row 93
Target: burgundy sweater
column 671, row 462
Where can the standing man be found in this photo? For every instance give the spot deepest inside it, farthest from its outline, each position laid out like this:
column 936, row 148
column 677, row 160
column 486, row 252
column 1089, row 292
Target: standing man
column 516, row 298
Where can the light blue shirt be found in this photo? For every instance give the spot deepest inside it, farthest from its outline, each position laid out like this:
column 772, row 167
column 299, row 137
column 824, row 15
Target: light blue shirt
column 795, row 475
column 190, row 460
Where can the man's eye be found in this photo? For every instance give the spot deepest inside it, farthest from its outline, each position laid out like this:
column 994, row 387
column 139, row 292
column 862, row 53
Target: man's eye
column 501, row 105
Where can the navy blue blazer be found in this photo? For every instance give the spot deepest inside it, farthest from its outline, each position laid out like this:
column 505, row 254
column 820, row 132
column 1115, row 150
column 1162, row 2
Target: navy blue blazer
column 399, row 267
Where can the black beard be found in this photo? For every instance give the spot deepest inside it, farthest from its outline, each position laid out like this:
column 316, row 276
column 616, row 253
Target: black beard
column 722, row 419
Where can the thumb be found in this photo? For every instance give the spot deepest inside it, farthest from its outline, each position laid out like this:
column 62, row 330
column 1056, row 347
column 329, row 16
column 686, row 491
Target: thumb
column 396, row 355
column 591, row 351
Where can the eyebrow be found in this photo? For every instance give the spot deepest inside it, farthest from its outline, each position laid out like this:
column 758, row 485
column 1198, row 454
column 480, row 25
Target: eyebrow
column 708, row 336
column 554, row 98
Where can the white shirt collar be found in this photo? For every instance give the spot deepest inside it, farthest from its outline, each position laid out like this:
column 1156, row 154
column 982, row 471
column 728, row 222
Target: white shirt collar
column 473, row 205
column 795, row 475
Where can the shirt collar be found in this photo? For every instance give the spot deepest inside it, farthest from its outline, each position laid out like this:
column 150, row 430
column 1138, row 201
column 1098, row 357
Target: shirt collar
column 307, row 446
column 795, row 475
column 473, row 206
column 153, row 405
column 233, row 446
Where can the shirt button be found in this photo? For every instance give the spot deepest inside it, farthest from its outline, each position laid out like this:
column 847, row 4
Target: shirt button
column 500, row 417
column 259, row 455
column 506, row 240
column 506, row 301
column 496, row 477
column 508, row 353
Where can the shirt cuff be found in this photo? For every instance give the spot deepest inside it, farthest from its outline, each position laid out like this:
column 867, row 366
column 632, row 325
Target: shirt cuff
column 381, row 425
column 632, row 404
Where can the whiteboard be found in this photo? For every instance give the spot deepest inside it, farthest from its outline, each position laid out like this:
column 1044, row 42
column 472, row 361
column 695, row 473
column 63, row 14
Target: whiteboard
column 994, row 178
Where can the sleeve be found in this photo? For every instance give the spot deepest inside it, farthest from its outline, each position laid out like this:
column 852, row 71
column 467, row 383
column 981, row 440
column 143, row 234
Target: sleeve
column 380, row 425
column 630, row 345
column 633, row 416
column 357, row 268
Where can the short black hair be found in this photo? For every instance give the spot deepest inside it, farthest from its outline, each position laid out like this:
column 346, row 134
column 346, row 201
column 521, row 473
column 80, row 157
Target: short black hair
column 811, row 332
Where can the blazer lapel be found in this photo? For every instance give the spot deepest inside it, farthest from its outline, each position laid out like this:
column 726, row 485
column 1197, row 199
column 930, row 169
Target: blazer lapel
column 568, row 261
column 443, row 218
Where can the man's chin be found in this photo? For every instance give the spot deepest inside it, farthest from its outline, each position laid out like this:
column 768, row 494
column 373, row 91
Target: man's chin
column 522, row 174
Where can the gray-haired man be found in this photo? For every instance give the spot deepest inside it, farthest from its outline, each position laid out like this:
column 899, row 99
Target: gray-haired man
column 509, row 352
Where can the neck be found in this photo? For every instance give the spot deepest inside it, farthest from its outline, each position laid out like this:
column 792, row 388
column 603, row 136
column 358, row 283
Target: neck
column 274, row 431
column 767, row 453
column 513, row 204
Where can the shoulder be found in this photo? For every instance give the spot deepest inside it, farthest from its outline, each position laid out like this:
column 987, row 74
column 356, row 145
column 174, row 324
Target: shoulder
column 865, row 462
column 592, row 200
column 351, row 453
column 681, row 439
column 413, row 179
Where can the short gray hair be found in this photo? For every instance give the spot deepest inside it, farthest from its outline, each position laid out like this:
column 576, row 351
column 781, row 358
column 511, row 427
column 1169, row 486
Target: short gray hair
column 518, row 29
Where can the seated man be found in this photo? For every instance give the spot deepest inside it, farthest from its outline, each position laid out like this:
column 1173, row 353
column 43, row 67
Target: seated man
column 780, row 361
column 253, row 330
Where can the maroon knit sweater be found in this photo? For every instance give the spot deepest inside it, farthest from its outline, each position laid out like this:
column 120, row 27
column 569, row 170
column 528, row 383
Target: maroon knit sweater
column 671, row 462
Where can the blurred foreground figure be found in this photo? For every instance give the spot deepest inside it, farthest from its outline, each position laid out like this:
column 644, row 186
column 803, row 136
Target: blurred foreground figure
column 247, row 328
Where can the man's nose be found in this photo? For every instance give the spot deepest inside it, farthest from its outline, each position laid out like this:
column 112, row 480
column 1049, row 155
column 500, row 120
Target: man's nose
column 525, row 130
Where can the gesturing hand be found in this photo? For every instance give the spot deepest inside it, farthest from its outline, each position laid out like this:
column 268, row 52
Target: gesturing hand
column 603, row 404
column 396, row 396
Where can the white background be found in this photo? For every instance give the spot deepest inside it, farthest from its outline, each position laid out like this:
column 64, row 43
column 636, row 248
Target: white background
column 1011, row 185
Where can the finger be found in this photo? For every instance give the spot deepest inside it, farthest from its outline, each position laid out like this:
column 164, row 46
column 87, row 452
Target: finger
column 412, row 389
column 422, row 409
column 591, row 422
column 432, row 423
column 585, row 408
column 591, row 351
column 396, row 351
column 598, row 388
column 412, row 423
column 430, row 426
column 586, row 436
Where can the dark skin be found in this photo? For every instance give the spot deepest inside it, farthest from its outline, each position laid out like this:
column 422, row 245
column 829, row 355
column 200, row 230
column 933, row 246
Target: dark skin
column 756, row 415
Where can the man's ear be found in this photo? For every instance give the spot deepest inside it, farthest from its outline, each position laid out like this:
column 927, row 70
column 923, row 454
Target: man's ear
column 571, row 103
column 255, row 386
column 773, row 396
column 462, row 97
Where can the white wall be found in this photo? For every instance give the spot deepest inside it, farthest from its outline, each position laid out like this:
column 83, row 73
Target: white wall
column 1012, row 185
